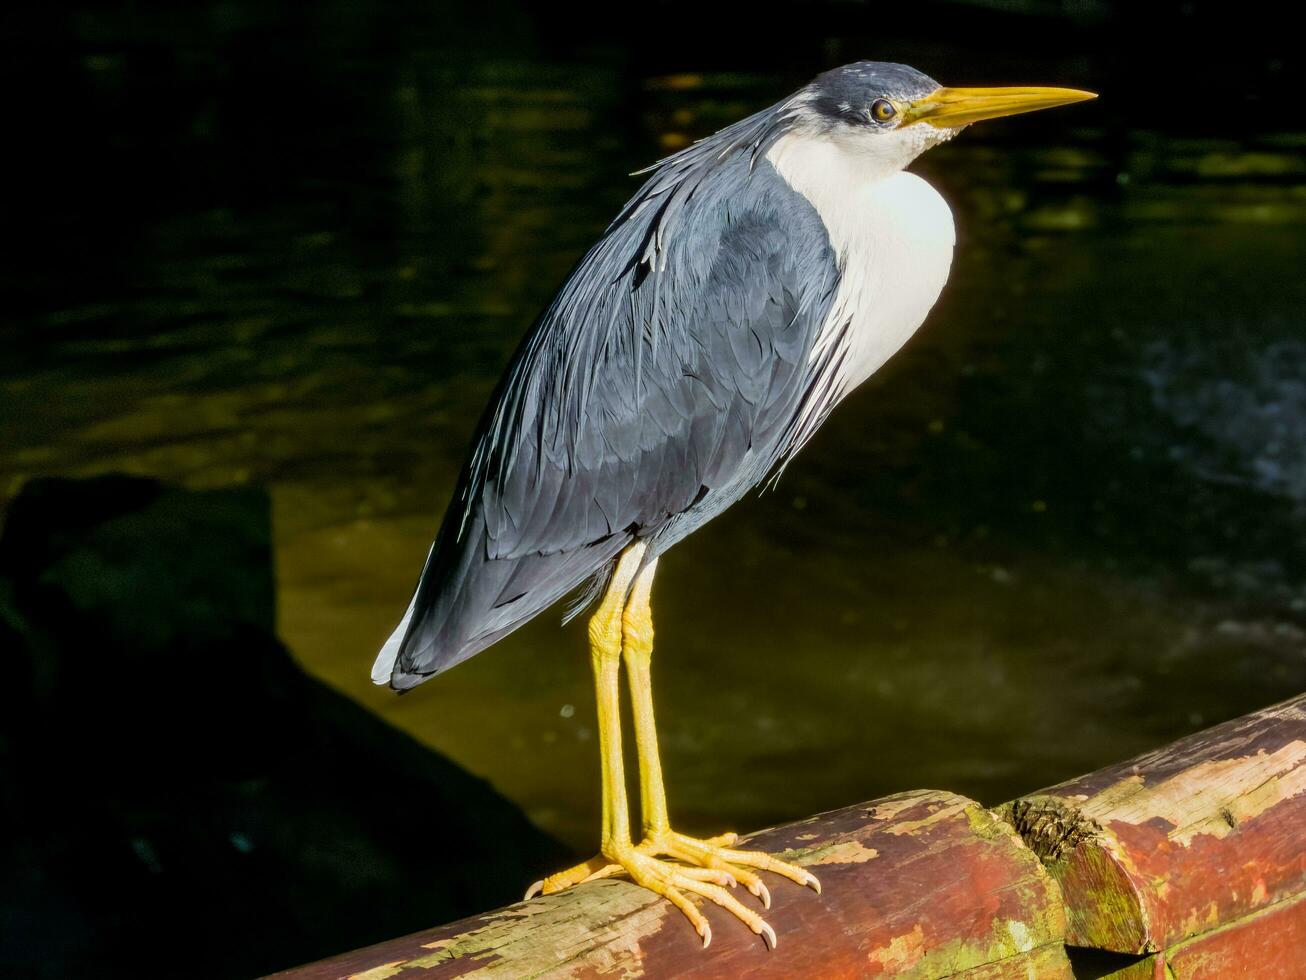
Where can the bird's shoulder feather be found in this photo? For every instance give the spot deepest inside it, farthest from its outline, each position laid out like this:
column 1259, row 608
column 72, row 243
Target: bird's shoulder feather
column 668, row 373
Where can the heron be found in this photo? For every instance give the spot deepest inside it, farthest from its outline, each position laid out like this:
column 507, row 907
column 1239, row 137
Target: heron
column 753, row 281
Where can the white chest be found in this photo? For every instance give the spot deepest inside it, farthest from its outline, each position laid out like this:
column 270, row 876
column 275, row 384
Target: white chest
column 894, row 241
column 893, row 236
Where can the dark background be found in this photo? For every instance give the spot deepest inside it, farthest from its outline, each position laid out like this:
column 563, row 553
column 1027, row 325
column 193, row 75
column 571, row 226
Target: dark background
column 276, row 254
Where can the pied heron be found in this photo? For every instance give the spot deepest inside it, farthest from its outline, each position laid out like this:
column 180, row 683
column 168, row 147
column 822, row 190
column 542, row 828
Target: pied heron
column 753, row 281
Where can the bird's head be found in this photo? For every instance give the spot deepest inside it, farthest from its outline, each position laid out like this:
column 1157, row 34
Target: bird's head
column 890, row 114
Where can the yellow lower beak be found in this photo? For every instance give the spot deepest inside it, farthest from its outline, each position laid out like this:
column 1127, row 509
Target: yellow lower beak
column 946, row 108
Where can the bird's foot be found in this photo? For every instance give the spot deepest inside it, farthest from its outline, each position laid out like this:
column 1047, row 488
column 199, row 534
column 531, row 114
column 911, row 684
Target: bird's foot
column 715, row 866
column 717, row 853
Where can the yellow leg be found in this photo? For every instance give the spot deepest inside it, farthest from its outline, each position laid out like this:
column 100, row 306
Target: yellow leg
column 637, row 646
column 624, row 622
column 605, row 661
column 659, row 838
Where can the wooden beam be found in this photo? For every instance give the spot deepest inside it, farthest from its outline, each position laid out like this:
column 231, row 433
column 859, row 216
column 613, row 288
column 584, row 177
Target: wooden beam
column 1190, row 857
column 923, row 884
column 1182, row 841
column 1268, row 945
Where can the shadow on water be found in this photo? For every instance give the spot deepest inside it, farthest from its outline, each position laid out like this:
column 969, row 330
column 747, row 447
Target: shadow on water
column 1063, row 525
column 175, row 791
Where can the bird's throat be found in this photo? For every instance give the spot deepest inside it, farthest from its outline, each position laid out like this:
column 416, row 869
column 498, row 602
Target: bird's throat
column 892, row 235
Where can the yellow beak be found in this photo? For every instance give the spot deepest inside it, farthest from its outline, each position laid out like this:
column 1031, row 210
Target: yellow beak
column 946, row 108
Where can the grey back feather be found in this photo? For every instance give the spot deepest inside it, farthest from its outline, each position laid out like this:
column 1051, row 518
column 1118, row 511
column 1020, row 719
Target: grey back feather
column 672, row 372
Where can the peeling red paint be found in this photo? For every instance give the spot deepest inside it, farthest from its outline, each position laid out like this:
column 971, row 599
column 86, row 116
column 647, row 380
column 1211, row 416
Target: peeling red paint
column 924, row 884
column 1268, row 946
column 1187, row 838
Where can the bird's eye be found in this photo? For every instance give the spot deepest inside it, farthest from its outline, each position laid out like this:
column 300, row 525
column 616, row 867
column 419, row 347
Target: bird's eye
column 882, row 110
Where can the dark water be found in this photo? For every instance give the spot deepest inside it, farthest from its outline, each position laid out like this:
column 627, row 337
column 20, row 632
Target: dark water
column 1063, row 525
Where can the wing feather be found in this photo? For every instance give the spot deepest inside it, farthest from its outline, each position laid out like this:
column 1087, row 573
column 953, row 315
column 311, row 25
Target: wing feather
column 671, row 373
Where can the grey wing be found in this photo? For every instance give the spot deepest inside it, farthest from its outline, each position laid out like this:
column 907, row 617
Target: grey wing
column 653, row 393
column 698, row 391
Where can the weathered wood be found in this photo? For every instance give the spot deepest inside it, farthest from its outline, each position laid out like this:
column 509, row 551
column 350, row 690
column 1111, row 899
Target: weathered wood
column 1180, row 841
column 923, row 885
column 1268, row 945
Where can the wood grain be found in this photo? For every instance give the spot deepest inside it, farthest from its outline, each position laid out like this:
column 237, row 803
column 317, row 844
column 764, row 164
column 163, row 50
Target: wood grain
column 920, row 885
column 1267, row 945
column 1180, row 841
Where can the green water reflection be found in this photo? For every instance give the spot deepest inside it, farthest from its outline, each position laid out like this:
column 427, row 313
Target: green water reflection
column 1064, row 524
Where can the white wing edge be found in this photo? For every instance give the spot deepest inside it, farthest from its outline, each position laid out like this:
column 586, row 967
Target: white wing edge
column 385, row 660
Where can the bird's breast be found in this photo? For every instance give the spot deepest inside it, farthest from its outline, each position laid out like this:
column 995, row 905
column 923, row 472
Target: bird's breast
column 894, row 239
column 892, row 235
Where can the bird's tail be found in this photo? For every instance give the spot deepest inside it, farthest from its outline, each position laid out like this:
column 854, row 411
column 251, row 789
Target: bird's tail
column 384, row 667
column 465, row 601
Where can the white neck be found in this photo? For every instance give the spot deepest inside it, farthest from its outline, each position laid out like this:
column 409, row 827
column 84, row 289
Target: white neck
column 892, row 234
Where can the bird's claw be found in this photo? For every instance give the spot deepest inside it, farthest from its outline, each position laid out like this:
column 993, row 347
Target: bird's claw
column 712, row 867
